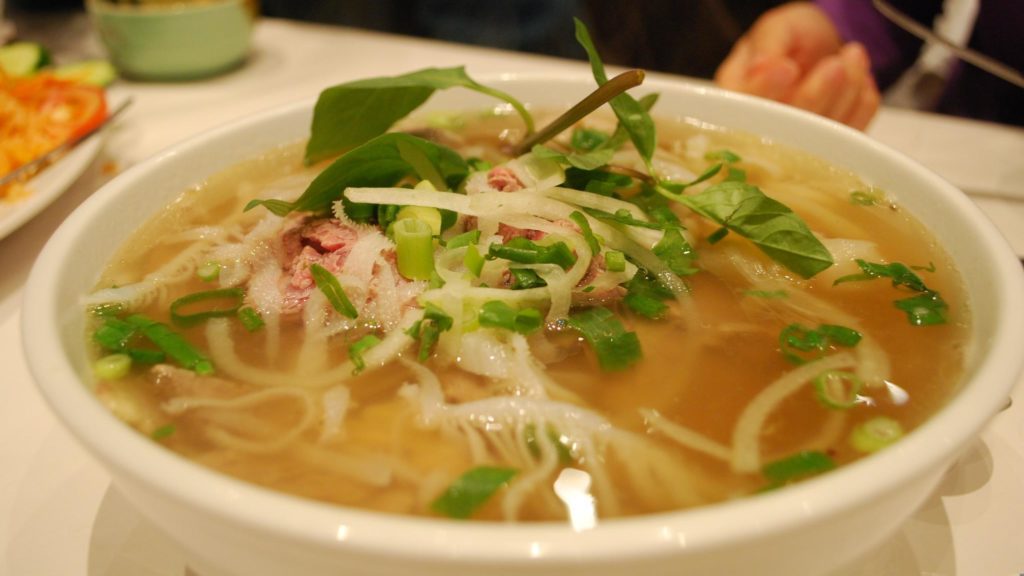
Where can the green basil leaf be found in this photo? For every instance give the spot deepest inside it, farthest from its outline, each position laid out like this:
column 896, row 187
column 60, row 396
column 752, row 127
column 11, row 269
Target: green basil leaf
column 349, row 114
column 381, row 162
column 631, row 114
column 769, row 224
column 582, row 160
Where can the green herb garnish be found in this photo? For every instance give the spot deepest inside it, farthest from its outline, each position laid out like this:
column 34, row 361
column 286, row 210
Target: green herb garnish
column 796, row 467
column 800, row 344
column 232, row 296
column 498, row 314
column 350, row 114
column 616, row 348
column 331, row 288
column 526, row 251
column 471, row 491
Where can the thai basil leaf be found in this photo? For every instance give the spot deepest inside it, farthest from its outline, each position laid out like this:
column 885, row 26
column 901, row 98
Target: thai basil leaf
column 349, row 114
column 582, row 160
column 631, row 114
column 383, row 161
column 769, row 224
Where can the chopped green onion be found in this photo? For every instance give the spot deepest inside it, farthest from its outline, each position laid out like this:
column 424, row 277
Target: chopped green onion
column 526, row 251
column 145, row 355
column 250, row 318
column 355, row 351
column 616, row 348
column 473, row 260
column 208, row 272
column 837, row 389
column 171, row 343
column 428, row 329
column 796, row 467
column 414, row 242
column 464, row 239
column 471, row 491
column 874, row 434
column 163, row 432
column 588, row 234
column 614, row 261
column 426, row 214
column 331, row 288
column 236, row 295
column 497, row 314
column 112, row 366
column 525, row 278
column 114, row 334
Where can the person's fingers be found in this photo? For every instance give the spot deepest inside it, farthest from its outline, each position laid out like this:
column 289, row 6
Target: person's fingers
column 867, row 105
column 820, row 89
column 773, row 77
column 857, row 68
column 732, row 72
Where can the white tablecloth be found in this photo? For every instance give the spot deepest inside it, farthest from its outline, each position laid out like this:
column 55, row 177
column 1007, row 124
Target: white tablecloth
column 58, row 512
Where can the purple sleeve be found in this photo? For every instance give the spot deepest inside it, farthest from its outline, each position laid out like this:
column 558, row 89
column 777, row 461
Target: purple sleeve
column 891, row 49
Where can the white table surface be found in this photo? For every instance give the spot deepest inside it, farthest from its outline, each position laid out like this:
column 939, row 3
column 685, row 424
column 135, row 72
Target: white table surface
column 59, row 514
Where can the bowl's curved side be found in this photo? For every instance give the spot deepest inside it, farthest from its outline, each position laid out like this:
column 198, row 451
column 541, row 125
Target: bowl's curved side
column 227, row 524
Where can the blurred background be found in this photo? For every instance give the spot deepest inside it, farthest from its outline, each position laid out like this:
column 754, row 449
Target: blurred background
column 700, row 32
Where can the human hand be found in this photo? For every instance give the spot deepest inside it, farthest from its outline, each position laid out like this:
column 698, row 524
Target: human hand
column 794, row 54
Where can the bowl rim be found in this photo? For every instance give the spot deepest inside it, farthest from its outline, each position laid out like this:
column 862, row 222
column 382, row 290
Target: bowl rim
column 299, row 519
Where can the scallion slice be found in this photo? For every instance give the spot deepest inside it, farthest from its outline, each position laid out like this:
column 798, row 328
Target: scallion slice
column 526, row 251
column 837, row 389
column 250, row 318
column 498, row 314
column 796, row 467
column 614, row 261
column 473, row 260
column 329, row 285
column 414, row 242
column 471, row 491
column 233, row 295
column 208, row 272
column 874, row 434
column 356, row 349
column 112, row 366
column 171, row 343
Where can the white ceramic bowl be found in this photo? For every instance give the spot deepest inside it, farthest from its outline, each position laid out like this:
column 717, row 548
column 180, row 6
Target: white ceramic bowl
column 230, row 527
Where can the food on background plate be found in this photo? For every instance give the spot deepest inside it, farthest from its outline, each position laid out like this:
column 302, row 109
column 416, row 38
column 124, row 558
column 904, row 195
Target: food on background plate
column 633, row 317
column 41, row 107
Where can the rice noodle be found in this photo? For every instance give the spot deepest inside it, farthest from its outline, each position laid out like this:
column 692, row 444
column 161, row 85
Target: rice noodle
column 591, row 436
column 218, row 336
column 182, row 404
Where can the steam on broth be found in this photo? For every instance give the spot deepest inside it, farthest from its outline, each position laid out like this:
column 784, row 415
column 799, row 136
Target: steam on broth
column 571, row 335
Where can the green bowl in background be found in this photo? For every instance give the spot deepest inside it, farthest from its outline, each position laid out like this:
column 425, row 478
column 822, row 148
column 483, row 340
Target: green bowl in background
column 174, row 41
